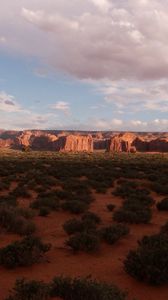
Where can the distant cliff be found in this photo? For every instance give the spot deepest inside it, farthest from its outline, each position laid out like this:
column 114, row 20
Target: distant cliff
column 129, row 142
column 41, row 140
column 84, row 141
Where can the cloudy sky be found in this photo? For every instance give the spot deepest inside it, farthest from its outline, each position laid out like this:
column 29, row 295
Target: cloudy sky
column 84, row 64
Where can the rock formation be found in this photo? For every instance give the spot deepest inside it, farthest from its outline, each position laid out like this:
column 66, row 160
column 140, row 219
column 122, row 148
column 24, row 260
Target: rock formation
column 6, row 143
column 24, row 139
column 74, row 143
column 100, row 144
column 158, row 145
column 41, row 140
column 82, row 141
column 130, row 142
column 121, row 142
column 36, row 140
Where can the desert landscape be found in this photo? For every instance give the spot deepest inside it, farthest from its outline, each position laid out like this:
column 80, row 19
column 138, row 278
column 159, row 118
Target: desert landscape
column 83, row 150
column 79, row 215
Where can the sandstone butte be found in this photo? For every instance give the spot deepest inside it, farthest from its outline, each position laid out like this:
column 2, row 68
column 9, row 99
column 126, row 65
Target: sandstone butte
column 40, row 140
column 130, row 142
column 76, row 143
column 85, row 141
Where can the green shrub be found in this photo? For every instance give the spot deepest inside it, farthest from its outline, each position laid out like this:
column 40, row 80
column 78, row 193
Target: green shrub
column 65, row 288
column 127, row 188
column 164, row 228
column 85, row 289
column 29, row 290
column 74, row 206
column 139, row 200
column 23, row 253
column 110, row 207
column 128, row 191
column 44, row 211
column 163, row 204
column 135, row 203
column 127, row 183
column 141, row 215
column 160, row 188
column 149, row 262
column 9, row 200
column 101, row 189
column 52, row 204
column 90, row 216
column 13, row 220
column 87, row 242
column 25, row 212
column 21, row 191
column 72, row 226
column 113, row 233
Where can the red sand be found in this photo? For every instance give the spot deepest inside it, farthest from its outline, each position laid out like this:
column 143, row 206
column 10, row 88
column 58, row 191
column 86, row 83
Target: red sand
column 106, row 265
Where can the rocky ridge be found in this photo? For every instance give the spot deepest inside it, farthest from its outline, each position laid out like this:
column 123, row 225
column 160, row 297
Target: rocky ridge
column 84, row 141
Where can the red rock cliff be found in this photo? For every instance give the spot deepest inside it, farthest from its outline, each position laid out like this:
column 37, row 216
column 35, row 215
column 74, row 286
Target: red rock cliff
column 121, row 142
column 130, row 142
column 74, row 143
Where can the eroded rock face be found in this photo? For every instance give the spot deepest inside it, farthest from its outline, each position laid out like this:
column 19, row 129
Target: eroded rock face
column 78, row 141
column 158, row 145
column 7, row 138
column 39, row 140
column 43, row 143
column 74, row 143
column 6, row 143
column 121, row 142
column 100, row 144
column 36, row 140
column 130, row 142
column 24, row 139
column 141, row 144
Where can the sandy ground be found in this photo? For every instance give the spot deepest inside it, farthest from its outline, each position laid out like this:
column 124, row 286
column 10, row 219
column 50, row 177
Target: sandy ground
column 106, row 265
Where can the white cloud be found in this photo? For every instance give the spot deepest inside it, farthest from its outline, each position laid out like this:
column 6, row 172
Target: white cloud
column 121, row 45
column 42, row 73
column 62, row 106
column 118, row 125
column 117, row 122
column 2, row 40
column 131, row 125
column 103, row 124
column 139, row 123
column 103, row 5
column 128, row 40
column 27, row 119
column 48, row 22
column 161, row 121
column 8, row 103
column 136, row 96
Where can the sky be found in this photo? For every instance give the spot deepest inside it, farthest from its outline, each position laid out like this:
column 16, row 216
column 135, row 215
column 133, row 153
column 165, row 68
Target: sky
column 84, row 64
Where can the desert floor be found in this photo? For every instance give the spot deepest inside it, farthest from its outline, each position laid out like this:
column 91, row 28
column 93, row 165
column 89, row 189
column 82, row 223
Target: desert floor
column 106, row 265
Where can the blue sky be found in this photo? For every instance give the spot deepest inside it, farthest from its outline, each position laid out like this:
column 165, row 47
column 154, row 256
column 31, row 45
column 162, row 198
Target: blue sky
column 90, row 65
